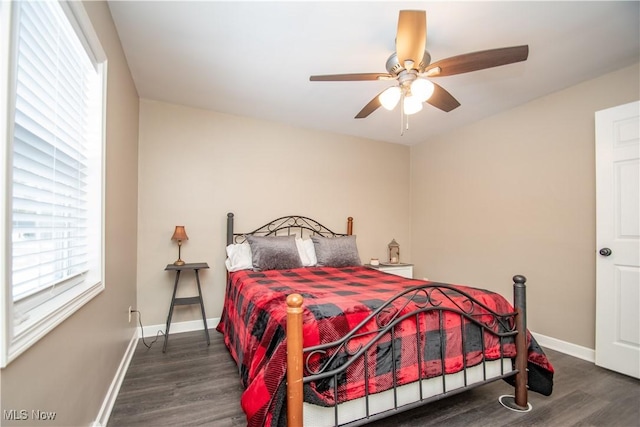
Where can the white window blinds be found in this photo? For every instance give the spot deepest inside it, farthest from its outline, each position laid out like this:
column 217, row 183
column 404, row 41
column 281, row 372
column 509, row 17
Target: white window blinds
column 50, row 150
column 55, row 158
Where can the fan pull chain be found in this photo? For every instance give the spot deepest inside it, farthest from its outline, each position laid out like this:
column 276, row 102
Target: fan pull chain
column 402, row 115
column 404, row 118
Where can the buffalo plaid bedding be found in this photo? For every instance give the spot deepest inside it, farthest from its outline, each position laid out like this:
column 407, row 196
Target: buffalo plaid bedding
column 335, row 301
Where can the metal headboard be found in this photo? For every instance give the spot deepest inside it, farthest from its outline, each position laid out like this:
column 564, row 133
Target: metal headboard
column 286, row 225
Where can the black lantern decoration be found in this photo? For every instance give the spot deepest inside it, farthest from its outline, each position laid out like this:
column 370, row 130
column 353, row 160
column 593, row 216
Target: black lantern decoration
column 394, row 252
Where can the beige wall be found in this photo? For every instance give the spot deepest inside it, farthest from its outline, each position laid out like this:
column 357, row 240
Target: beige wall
column 515, row 194
column 69, row 371
column 197, row 165
column 511, row 194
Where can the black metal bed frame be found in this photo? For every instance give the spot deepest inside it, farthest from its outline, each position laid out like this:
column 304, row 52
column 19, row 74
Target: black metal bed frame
column 427, row 298
column 286, row 225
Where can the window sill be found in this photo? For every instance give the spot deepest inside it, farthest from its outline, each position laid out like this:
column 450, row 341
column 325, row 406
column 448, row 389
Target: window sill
column 42, row 320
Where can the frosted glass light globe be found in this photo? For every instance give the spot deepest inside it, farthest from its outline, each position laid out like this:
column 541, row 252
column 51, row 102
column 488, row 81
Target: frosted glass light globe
column 412, row 105
column 390, row 97
column 422, row 88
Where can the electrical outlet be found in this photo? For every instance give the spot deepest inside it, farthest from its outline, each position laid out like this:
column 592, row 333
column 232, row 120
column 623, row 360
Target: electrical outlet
column 130, row 310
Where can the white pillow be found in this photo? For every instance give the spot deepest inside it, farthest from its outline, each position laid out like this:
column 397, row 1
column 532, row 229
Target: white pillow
column 303, row 254
column 307, row 252
column 239, row 257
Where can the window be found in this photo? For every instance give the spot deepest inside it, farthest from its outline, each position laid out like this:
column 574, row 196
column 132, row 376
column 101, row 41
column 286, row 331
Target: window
column 54, row 92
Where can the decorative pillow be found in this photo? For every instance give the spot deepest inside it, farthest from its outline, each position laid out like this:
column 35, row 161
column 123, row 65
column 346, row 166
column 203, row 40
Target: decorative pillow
column 339, row 251
column 274, row 252
column 239, row 257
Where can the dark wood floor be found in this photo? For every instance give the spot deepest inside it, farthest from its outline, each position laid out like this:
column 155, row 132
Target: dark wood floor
column 195, row 385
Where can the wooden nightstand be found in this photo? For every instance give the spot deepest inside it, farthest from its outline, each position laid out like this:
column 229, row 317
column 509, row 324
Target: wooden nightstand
column 403, row 270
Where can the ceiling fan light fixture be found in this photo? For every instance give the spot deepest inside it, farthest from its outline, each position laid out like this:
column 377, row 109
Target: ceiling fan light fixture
column 411, row 105
column 422, row 89
column 390, row 97
column 411, row 67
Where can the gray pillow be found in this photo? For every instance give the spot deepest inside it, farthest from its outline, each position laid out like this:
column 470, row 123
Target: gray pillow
column 274, row 252
column 339, row 251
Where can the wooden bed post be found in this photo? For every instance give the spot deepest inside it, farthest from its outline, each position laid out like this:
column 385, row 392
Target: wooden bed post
column 519, row 402
column 294, row 360
column 520, row 304
column 350, row 226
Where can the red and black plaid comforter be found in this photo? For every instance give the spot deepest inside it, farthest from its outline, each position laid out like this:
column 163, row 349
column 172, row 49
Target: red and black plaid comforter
column 336, row 300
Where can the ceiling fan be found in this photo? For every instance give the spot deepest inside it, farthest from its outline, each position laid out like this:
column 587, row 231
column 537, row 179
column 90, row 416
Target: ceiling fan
column 411, row 67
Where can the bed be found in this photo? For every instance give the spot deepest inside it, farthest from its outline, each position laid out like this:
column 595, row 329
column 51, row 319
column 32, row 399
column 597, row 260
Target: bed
column 321, row 340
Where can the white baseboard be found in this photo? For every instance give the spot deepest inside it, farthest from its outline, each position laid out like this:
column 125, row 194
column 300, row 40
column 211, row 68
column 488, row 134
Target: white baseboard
column 192, row 325
column 574, row 350
column 152, row 330
column 114, row 388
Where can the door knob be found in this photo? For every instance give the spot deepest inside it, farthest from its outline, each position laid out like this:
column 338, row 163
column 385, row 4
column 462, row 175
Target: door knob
column 605, row 251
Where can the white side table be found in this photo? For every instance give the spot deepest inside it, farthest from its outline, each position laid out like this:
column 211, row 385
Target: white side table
column 403, row 270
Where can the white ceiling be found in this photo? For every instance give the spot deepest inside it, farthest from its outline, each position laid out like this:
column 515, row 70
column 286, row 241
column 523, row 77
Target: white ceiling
column 254, row 59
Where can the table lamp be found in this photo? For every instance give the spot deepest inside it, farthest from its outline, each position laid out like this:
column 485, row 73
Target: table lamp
column 179, row 234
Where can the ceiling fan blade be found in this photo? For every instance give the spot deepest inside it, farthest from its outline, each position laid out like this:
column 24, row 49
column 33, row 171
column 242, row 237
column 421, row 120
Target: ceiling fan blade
column 411, row 37
column 480, row 60
column 349, row 77
column 442, row 99
column 372, row 106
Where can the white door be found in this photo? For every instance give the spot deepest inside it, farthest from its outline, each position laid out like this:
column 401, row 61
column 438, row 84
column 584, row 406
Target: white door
column 618, row 239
